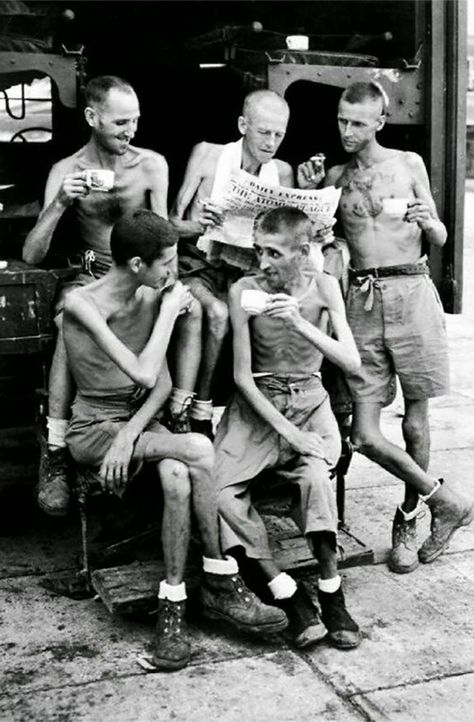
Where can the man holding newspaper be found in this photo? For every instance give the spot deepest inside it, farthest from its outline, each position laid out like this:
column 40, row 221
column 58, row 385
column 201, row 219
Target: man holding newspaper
column 224, row 189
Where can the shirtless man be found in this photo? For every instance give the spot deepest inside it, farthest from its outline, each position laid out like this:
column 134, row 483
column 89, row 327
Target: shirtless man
column 395, row 315
column 262, row 126
column 116, row 332
column 140, row 181
column 280, row 419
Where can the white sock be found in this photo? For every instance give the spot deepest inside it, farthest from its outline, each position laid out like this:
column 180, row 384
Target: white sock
column 57, row 431
column 226, row 566
column 201, row 410
column 180, row 400
column 173, row 592
column 329, row 585
column 282, row 586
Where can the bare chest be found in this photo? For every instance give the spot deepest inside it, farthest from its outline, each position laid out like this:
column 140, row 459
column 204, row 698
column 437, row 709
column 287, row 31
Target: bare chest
column 363, row 190
column 133, row 325
column 131, row 190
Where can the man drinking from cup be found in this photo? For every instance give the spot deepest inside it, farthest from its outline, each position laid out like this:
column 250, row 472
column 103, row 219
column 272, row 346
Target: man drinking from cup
column 396, row 316
column 280, row 420
column 95, row 186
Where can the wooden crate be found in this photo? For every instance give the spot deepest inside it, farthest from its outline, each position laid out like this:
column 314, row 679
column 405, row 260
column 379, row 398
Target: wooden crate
column 133, row 587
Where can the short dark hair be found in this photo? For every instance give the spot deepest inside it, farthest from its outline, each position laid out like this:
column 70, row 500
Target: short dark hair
column 97, row 88
column 141, row 233
column 286, row 218
column 360, row 91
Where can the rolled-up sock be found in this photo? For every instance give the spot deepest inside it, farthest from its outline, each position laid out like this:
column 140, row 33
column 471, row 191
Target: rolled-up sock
column 220, row 566
column 173, row 592
column 282, row 586
column 57, row 431
column 201, row 410
column 330, row 585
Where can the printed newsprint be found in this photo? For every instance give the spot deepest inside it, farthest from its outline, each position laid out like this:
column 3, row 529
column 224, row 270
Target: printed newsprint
column 245, row 197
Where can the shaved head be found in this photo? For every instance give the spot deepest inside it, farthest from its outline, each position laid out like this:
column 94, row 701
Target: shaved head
column 264, row 98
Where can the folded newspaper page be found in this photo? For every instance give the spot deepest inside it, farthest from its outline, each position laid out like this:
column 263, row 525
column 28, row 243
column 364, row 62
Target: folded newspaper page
column 245, row 197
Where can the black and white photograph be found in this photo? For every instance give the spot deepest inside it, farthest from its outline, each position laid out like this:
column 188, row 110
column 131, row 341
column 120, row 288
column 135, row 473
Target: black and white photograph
column 236, row 347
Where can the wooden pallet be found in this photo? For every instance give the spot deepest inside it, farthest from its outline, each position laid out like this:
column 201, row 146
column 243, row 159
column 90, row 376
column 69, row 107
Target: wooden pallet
column 133, row 587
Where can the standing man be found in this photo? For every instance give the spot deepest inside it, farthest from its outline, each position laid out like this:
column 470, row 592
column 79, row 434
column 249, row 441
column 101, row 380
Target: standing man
column 280, row 418
column 140, row 181
column 262, row 126
column 396, row 316
column 116, row 332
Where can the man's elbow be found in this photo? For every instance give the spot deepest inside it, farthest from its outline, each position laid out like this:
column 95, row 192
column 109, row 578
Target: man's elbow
column 241, row 380
column 352, row 363
column 31, row 256
column 145, row 379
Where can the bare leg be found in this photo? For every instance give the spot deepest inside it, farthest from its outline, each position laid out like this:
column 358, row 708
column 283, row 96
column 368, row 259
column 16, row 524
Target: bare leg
column 53, row 493
column 269, row 568
column 176, row 517
column 324, row 547
column 60, row 380
column 416, row 432
column 216, row 324
column 187, row 348
column 369, row 440
column 196, row 452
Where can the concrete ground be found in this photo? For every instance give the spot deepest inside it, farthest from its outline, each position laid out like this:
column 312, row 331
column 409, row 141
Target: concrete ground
column 70, row 661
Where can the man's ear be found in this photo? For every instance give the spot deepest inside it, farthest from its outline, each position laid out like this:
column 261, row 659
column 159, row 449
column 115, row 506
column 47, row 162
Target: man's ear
column 135, row 264
column 242, row 124
column 90, row 114
column 381, row 122
column 304, row 250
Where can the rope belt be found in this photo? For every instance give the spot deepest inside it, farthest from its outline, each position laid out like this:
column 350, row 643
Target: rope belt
column 366, row 278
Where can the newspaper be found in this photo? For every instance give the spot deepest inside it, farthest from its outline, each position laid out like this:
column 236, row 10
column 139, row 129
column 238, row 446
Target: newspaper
column 245, row 197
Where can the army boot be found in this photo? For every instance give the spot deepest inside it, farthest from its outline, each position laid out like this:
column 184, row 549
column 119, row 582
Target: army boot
column 404, row 553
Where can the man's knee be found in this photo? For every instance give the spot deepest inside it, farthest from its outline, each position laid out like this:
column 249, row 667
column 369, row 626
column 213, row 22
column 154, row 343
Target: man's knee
column 365, row 441
column 195, row 312
column 200, row 449
column 175, row 480
column 217, row 318
column 415, row 429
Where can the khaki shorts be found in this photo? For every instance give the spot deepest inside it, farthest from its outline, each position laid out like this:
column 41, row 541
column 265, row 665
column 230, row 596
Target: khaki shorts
column 403, row 334
column 95, row 424
column 246, row 445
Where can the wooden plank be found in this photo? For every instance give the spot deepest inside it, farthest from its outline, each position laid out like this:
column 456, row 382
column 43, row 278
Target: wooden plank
column 133, row 588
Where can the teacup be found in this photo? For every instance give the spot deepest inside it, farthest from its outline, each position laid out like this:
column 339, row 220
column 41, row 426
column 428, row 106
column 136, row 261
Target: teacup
column 253, row 301
column 395, row 206
column 100, row 179
column 297, row 42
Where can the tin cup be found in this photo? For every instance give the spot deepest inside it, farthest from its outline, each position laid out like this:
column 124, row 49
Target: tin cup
column 297, row 42
column 100, row 179
column 395, row 207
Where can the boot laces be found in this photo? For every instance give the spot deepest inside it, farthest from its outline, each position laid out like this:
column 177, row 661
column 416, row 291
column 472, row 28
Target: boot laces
column 56, row 467
column 241, row 590
column 171, row 618
column 179, row 421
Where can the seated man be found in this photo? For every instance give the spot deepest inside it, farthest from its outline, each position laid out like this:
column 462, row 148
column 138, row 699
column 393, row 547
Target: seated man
column 116, row 331
column 140, row 175
column 262, row 126
column 280, row 418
